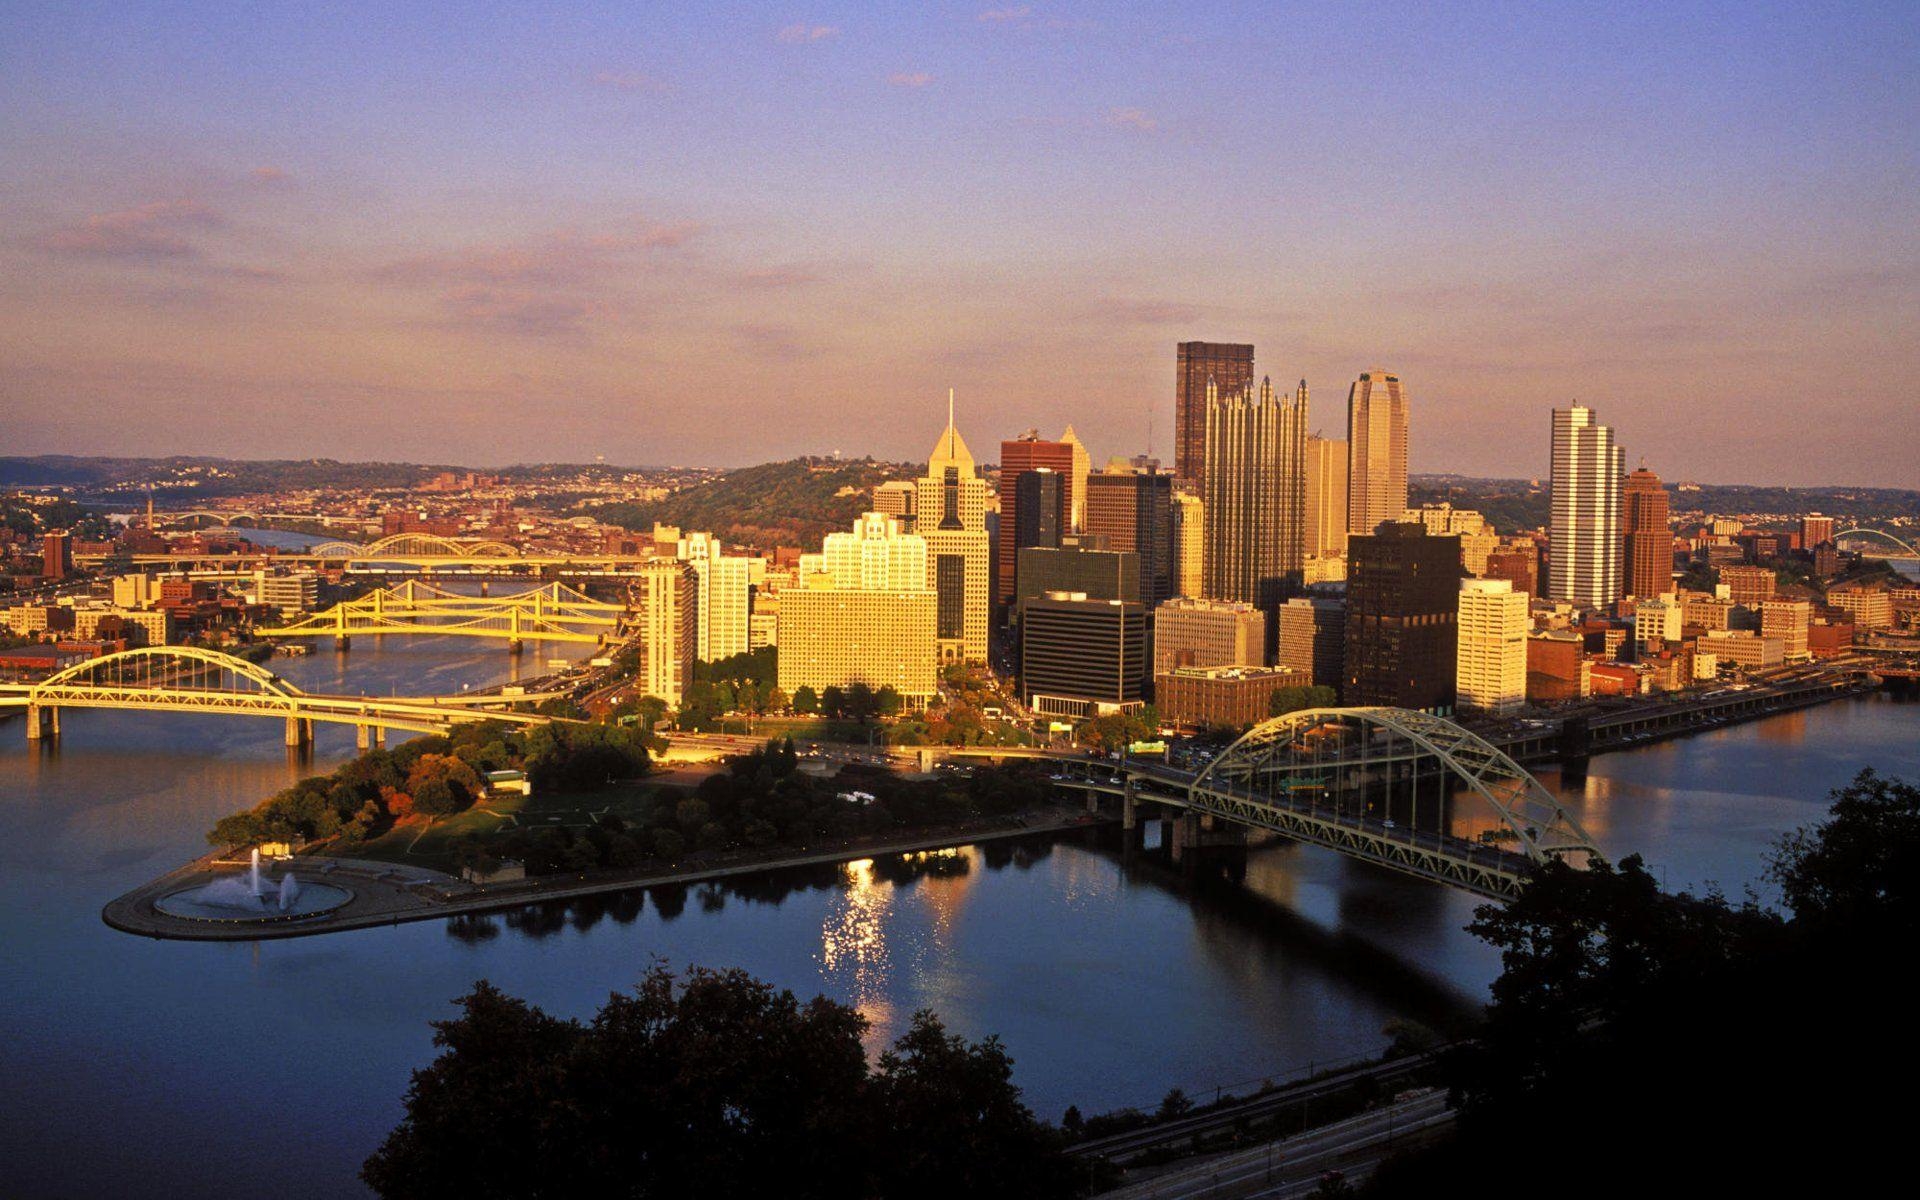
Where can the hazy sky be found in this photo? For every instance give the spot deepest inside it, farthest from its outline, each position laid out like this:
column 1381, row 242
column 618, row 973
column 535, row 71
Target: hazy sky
column 722, row 234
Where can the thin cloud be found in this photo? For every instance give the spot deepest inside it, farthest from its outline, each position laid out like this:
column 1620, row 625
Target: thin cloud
column 803, row 33
column 152, row 231
column 1135, row 120
column 631, row 81
column 910, row 79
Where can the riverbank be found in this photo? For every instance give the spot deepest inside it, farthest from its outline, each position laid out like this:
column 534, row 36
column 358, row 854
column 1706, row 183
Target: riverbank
column 384, row 894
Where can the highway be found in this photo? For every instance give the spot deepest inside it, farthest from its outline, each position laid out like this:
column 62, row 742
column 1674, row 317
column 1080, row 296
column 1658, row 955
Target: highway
column 1293, row 1166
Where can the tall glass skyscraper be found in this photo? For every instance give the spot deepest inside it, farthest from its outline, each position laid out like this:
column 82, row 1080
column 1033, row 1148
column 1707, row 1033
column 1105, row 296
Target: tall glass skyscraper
column 1376, row 451
column 1229, row 368
column 1255, row 501
column 1586, row 545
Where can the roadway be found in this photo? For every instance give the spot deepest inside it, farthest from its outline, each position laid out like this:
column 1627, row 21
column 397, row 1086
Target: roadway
column 1294, row 1166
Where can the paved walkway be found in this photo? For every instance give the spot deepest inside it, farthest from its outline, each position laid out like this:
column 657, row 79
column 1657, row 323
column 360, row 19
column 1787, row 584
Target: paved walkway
column 386, row 894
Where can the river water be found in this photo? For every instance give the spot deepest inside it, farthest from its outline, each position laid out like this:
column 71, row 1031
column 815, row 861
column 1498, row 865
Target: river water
column 135, row 1067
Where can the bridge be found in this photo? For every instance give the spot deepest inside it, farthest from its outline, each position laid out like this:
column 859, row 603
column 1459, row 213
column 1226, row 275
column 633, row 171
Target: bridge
column 187, row 679
column 1405, row 790
column 401, row 553
column 1876, row 533
column 553, row 612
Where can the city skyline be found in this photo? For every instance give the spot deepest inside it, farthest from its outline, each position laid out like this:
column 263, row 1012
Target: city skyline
column 1587, row 208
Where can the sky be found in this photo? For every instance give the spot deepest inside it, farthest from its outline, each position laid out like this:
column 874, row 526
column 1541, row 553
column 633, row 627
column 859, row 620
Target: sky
column 723, row 234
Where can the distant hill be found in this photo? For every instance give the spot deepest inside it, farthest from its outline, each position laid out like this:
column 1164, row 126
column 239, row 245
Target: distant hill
column 792, row 503
column 197, row 478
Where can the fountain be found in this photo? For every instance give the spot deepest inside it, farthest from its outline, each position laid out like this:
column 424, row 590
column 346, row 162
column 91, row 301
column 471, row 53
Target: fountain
column 249, row 897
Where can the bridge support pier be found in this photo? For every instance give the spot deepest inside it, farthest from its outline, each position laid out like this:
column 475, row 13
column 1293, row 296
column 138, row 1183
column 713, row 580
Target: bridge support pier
column 516, row 647
column 43, row 721
column 299, row 732
column 368, row 737
column 342, row 643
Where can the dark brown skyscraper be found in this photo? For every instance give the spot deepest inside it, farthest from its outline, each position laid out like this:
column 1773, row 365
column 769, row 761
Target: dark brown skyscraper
column 1230, row 367
column 1132, row 508
column 1403, row 594
column 1649, row 549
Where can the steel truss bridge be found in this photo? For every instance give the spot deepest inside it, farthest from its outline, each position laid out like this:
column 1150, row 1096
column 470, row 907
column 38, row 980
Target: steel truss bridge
column 1405, row 790
column 553, row 612
column 191, row 680
column 407, row 552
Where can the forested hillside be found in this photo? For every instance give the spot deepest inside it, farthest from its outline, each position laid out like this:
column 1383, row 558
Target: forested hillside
column 792, row 503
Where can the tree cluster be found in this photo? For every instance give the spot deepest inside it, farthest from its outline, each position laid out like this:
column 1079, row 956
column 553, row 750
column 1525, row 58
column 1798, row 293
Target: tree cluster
column 712, row 1084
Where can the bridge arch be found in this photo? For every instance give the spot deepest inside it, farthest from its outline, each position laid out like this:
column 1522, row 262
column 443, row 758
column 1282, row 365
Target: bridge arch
column 1879, row 533
column 415, row 545
column 337, row 550
column 1293, row 752
column 147, row 662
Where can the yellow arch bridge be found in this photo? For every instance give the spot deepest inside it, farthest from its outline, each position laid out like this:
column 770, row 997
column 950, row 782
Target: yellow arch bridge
column 553, row 612
column 1405, row 790
column 191, row 680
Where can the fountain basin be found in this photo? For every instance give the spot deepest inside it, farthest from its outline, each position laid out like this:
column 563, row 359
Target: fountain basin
column 229, row 900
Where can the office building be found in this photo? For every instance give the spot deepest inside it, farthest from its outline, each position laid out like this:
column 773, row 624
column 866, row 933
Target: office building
column 725, row 595
column 1079, row 564
column 1649, row 549
column 861, row 612
column 1018, row 456
column 1326, row 497
column 1743, row 648
column 1376, row 451
column 895, row 498
column 1227, row 369
column 289, row 591
column 1870, row 604
column 1208, row 633
column 1557, row 668
column 1255, row 495
column 1815, row 531
column 1231, row 698
column 1584, row 560
column 1403, row 589
column 136, row 591
column 1130, row 506
column 56, row 555
column 1490, row 662
column 667, row 599
column 1518, row 563
column 950, row 509
column 1077, row 485
column 1040, row 517
column 1477, row 538
column 1749, row 587
column 1081, row 657
column 1313, row 638
column 1189, row 545
column 1659, row 623
column 1789, row 621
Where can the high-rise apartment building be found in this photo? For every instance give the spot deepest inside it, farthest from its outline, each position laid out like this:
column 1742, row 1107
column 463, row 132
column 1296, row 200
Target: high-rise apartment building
column 1031, row 452
column 1255, row 494
column 1131, row 508
column 1228, row 369
column 1649, row 548
column 1313, row 637
column 1326, row 497
column 861, row 613
column 1403, row 587
column 56, row 554
column 667, row 600
column 725, row 597
column 1189, row 545
column 1490, row 663
column 1815, row 530
column 1208, row 633
column 1584, row 558
column 950, row 509
column 1376, row 451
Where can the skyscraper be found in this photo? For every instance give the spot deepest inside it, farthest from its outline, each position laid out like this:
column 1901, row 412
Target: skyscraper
column 1649, row 549
column 1402, row 605
column 951, row 514
column 1229, row 368
column 1326, row 497
column 1132, row 509
column 1376, row 451
column 1586, row 546
column 1189, row 545
column 1082, row 464
column 1031, row 452
column 668, row 595
column 1491, row 660
column 725, row 591
column 1255, row 497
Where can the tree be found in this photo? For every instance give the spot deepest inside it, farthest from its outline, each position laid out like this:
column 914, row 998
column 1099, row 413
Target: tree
column 1862, row 863
column 713, row 1083
column 1293, row 699
column 887, row 701
column 1176, row 1103
column 805, row 700
column 833, row 701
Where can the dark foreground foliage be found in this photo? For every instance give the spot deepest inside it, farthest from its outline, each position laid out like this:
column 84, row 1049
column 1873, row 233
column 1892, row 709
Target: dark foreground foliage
column 1644, row 1044
column 714, row 1084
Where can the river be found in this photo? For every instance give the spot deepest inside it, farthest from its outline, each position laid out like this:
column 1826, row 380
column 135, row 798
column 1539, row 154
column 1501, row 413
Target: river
column 162, row 1068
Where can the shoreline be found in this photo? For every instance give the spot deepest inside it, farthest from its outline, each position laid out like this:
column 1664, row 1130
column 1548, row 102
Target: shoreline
column 387, row 895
